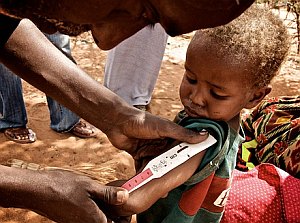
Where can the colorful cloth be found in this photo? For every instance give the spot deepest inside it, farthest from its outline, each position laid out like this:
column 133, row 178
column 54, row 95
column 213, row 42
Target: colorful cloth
column 272, row 135
column 266, row 194
column 202, row 198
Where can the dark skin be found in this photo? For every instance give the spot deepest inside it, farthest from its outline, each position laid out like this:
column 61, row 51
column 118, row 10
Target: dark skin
column 25, row 50
column 110, row 25
column 122, row 126
column 121, row 19
column 81, row 93
column 42, row 192
column 113, row 21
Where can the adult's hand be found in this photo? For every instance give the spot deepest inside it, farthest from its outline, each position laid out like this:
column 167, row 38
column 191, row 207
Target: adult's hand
column 126, row 133
column 61, row 196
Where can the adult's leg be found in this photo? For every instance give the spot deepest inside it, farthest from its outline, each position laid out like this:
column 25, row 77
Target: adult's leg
column 13, row 117
column 132, row 67
column 61, row 118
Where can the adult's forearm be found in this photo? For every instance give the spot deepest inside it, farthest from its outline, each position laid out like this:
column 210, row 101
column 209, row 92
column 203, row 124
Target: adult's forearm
column 59, row 195
column 19, row 187
column 31, row 56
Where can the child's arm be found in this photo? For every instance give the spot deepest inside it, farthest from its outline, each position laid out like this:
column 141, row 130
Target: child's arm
column 144, row 197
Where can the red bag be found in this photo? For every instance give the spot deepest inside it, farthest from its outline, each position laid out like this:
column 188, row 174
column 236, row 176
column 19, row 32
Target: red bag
column 265, row 194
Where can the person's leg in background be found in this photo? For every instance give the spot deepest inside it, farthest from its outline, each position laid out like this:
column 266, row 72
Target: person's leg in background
column 133, row 66
column 13, row 116
column 61, row 118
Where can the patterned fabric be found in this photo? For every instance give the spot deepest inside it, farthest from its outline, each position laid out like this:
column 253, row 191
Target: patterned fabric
column 263, row 195
column 202, row 198
column 272, row 134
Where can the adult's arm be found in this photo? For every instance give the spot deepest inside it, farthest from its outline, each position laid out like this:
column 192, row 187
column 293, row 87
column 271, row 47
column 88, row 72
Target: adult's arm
column 31, row 56
column 61, row 196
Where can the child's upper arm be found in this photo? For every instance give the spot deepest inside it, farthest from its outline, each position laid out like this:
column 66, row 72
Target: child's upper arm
column 142, row 198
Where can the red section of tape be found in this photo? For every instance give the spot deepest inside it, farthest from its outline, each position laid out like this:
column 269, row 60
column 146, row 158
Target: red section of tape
column 137, row 180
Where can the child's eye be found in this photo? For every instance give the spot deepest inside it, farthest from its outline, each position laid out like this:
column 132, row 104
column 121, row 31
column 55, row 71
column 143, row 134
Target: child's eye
column 217, row 96
column 190, row 80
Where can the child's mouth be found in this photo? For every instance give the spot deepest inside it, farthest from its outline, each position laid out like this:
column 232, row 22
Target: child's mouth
column 194, row 114
column 191, row 112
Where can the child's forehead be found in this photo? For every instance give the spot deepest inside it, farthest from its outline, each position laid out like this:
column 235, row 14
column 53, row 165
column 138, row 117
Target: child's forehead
column 206, row 50
column 223, row 68
column 204, row 44
column 223, row 43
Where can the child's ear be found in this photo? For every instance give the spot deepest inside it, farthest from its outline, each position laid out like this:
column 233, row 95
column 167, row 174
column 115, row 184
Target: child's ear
column 258, row 96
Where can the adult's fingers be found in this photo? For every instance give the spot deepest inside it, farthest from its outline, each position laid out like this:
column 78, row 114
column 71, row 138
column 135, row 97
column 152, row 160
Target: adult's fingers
column 143, row 125
column 180, row 133
column 110, row 194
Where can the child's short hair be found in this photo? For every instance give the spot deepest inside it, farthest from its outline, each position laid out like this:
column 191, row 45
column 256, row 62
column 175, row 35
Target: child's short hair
column 257, row 37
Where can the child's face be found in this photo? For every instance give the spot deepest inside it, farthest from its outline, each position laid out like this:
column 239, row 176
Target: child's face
column 213, row 86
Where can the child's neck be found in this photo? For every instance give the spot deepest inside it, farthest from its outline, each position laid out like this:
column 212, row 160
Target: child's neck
column 235, row 122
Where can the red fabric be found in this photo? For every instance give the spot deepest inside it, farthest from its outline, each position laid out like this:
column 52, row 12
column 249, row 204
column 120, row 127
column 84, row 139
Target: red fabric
column 265, row 194
column 217, row 195
column 192, row 199
column 204, row 195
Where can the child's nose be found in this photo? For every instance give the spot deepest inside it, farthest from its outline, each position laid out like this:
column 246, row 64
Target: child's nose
column 198, row 98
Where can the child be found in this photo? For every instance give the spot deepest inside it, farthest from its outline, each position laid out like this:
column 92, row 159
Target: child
column 228, row 68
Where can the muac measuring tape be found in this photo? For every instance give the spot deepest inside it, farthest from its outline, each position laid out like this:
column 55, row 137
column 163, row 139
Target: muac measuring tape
column 166, row 162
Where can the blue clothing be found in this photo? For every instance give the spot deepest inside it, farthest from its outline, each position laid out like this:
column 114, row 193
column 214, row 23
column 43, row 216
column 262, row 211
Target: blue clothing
column 202, row 198
column 12, row 108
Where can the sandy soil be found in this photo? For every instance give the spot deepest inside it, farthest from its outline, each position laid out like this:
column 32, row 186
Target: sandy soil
column 97, row 155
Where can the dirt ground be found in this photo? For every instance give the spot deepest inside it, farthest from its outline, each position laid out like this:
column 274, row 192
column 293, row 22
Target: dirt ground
column 98, row 155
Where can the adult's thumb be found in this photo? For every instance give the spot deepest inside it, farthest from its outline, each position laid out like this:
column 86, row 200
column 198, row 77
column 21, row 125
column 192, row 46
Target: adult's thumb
column 113, row 195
